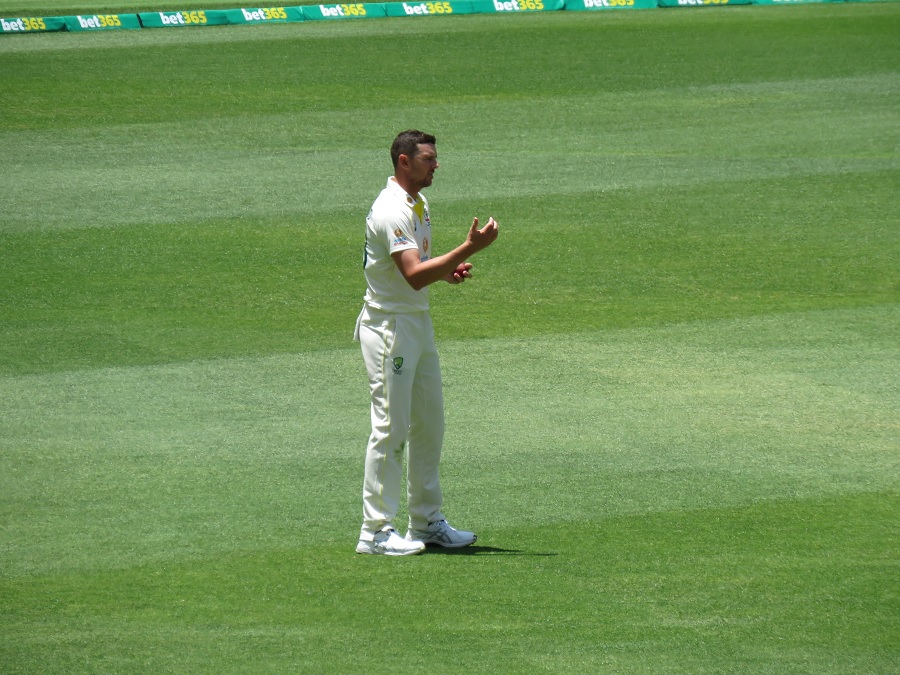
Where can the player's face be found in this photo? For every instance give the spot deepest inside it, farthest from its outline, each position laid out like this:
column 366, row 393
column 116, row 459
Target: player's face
column 422, row 165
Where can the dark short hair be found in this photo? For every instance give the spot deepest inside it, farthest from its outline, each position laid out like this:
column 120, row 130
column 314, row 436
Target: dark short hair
column 407, row 143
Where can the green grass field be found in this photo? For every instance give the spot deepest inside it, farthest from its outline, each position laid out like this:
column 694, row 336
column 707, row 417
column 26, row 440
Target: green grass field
column 672, row 387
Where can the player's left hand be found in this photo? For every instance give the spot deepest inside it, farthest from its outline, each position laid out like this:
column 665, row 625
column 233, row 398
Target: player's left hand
column 460, row 274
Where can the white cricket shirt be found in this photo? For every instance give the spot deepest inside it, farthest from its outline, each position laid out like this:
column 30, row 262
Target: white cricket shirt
column 396, row 222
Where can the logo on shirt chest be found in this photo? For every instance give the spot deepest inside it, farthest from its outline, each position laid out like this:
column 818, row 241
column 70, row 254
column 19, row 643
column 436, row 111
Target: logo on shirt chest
column 425, row 219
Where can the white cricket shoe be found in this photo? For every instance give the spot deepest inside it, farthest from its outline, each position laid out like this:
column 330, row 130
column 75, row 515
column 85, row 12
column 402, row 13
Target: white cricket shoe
column 388, row 542
column 442, row 534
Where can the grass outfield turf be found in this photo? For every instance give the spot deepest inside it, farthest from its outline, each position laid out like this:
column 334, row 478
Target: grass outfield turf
column 672, row 386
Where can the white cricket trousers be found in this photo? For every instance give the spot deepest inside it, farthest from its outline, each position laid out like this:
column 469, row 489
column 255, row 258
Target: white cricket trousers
column 407, row 413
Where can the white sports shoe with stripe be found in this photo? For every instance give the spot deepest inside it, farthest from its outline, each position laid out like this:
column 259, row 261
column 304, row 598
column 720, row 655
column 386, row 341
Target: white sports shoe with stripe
column 388, row 542
column 442, row 534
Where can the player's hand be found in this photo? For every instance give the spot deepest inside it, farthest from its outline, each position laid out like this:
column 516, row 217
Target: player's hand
column 460, row 274
column 484, row 237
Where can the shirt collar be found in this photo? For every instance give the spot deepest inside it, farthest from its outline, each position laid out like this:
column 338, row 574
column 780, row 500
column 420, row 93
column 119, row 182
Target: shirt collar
column 394, row 186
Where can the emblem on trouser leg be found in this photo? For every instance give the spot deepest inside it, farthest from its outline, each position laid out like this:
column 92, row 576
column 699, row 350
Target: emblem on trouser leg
column 398, row 364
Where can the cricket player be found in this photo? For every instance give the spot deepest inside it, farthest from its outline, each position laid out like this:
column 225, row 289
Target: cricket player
column 397, row 340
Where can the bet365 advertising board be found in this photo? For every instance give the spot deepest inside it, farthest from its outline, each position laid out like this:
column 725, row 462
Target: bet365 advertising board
column 102, row 22
column 261, row 15
column 610, row 4
column 32, row 24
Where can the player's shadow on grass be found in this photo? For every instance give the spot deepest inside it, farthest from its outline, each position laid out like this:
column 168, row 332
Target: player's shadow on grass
column 480, row 550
